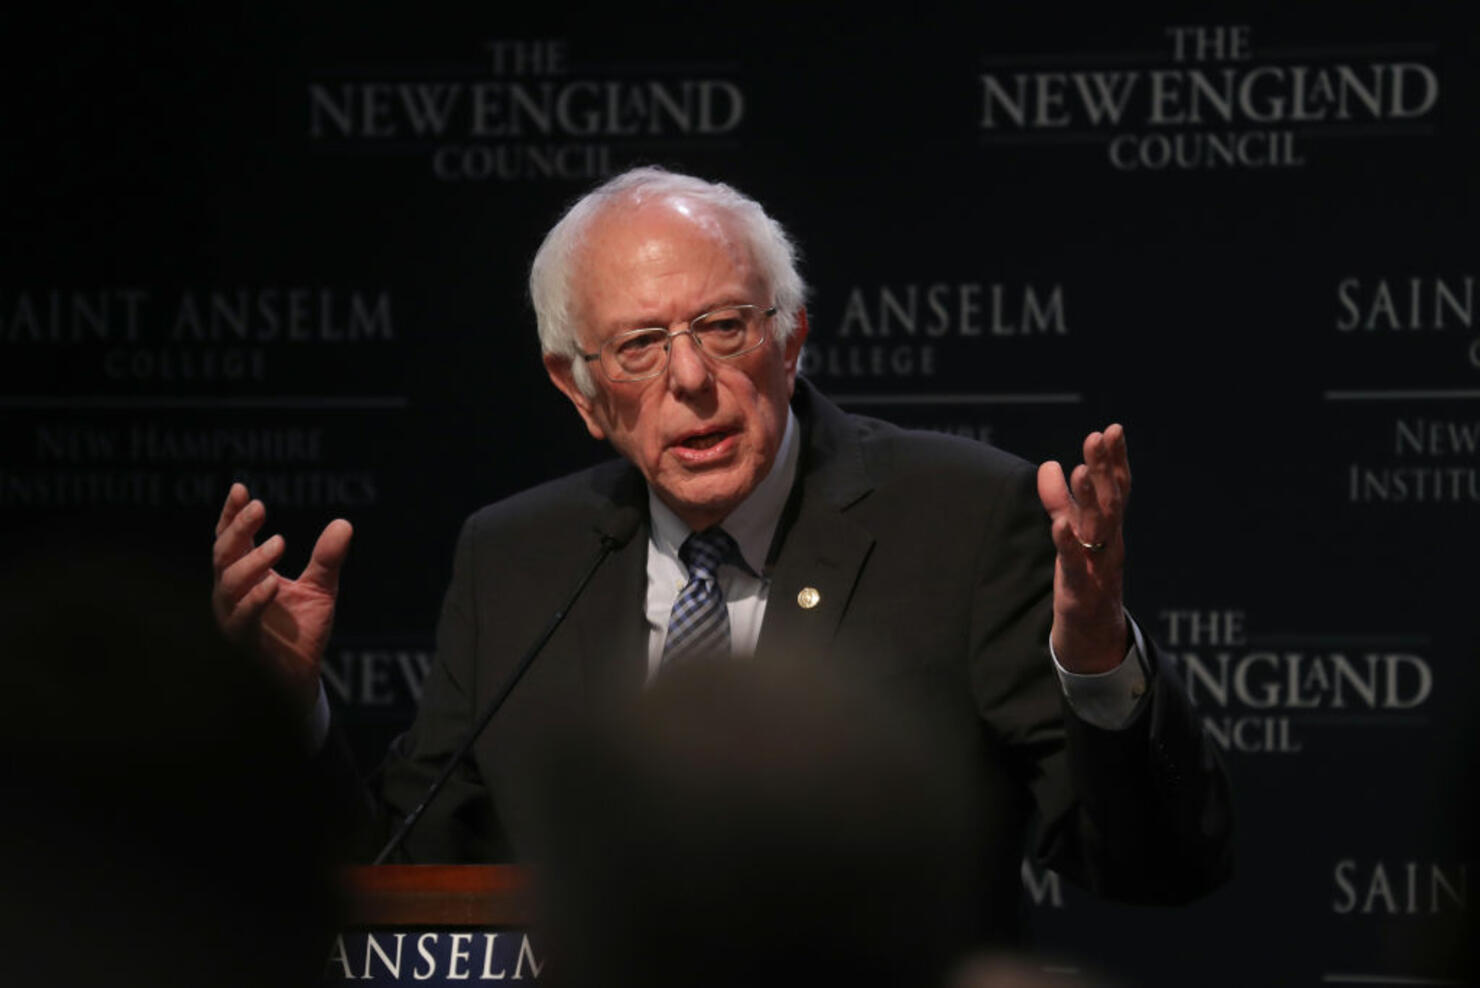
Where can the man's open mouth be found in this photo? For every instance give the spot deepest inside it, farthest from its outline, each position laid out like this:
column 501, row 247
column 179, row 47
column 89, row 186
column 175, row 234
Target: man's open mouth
column 704, row 440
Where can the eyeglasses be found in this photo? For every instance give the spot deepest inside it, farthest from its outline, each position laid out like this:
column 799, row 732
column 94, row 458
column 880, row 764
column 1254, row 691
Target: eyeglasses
column 725, row 334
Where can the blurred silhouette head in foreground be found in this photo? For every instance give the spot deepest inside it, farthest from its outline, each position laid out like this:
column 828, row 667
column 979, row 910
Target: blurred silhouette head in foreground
column 753, row 825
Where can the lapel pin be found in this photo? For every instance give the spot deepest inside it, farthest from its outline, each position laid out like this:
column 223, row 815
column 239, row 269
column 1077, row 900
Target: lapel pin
column 809, row 598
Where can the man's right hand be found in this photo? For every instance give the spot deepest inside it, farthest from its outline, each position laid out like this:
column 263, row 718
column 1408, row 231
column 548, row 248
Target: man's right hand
column 286, row 622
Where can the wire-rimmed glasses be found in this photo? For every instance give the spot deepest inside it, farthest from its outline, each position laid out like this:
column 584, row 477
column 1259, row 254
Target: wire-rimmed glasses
column 725, row 333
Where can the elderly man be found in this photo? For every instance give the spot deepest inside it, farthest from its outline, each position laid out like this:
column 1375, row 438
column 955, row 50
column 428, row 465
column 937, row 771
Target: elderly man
column 775, row 526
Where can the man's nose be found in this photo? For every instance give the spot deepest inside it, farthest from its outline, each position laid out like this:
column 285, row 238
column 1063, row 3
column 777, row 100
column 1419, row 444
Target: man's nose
column 688, row 368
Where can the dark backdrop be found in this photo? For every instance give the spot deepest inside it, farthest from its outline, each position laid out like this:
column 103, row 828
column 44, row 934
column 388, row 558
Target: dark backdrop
column 290, row 246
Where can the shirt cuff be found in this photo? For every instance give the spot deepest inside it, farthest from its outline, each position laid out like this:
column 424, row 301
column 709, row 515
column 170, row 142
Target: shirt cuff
column 1108, row 700
column 318, row 726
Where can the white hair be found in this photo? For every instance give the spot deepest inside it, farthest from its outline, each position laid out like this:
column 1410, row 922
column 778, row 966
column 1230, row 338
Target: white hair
column 550, row 276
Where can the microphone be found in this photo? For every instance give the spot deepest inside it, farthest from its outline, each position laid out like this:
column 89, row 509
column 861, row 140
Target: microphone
column 618, row 524
column 616, row 527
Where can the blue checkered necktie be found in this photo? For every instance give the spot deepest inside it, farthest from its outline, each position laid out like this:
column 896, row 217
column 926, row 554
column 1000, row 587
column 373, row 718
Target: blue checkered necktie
column 699, row 624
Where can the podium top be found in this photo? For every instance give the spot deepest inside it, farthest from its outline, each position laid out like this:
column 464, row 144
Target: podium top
column 437, row 895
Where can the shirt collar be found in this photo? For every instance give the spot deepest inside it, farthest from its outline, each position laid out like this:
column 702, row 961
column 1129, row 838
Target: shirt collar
column 753, row 522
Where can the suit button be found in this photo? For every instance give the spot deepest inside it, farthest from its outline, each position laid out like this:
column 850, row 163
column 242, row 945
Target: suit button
column 809, row 598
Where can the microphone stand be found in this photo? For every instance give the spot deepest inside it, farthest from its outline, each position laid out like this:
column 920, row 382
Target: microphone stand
column 609, row 544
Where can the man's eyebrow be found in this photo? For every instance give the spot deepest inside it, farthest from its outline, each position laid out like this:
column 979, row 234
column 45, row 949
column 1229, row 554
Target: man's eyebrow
column 727, row 301
column 628, row 325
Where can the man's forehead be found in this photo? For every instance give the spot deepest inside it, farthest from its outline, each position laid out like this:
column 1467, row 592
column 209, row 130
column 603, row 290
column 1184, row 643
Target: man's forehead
column 629, row 245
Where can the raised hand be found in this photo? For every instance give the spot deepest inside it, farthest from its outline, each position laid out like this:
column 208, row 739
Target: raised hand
column 285, row 622
column 1087, row 513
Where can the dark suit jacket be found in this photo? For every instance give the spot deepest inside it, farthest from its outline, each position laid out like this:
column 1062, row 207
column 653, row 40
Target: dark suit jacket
column 934, row 566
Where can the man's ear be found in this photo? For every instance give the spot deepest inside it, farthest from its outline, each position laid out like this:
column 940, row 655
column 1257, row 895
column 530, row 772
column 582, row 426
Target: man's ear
column 792, row 351
column 563, row 377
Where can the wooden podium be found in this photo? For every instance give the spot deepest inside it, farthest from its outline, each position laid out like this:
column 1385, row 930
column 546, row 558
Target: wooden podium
column 437, row 895
column 435, row 924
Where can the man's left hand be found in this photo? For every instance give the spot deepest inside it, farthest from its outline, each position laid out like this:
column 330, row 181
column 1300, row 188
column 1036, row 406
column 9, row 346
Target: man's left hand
column 1087, row 513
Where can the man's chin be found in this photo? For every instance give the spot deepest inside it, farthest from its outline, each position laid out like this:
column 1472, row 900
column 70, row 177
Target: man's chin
column 703, row 506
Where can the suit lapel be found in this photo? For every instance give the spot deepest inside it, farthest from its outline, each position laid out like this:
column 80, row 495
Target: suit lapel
column 819, row 552
column 812, row 584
